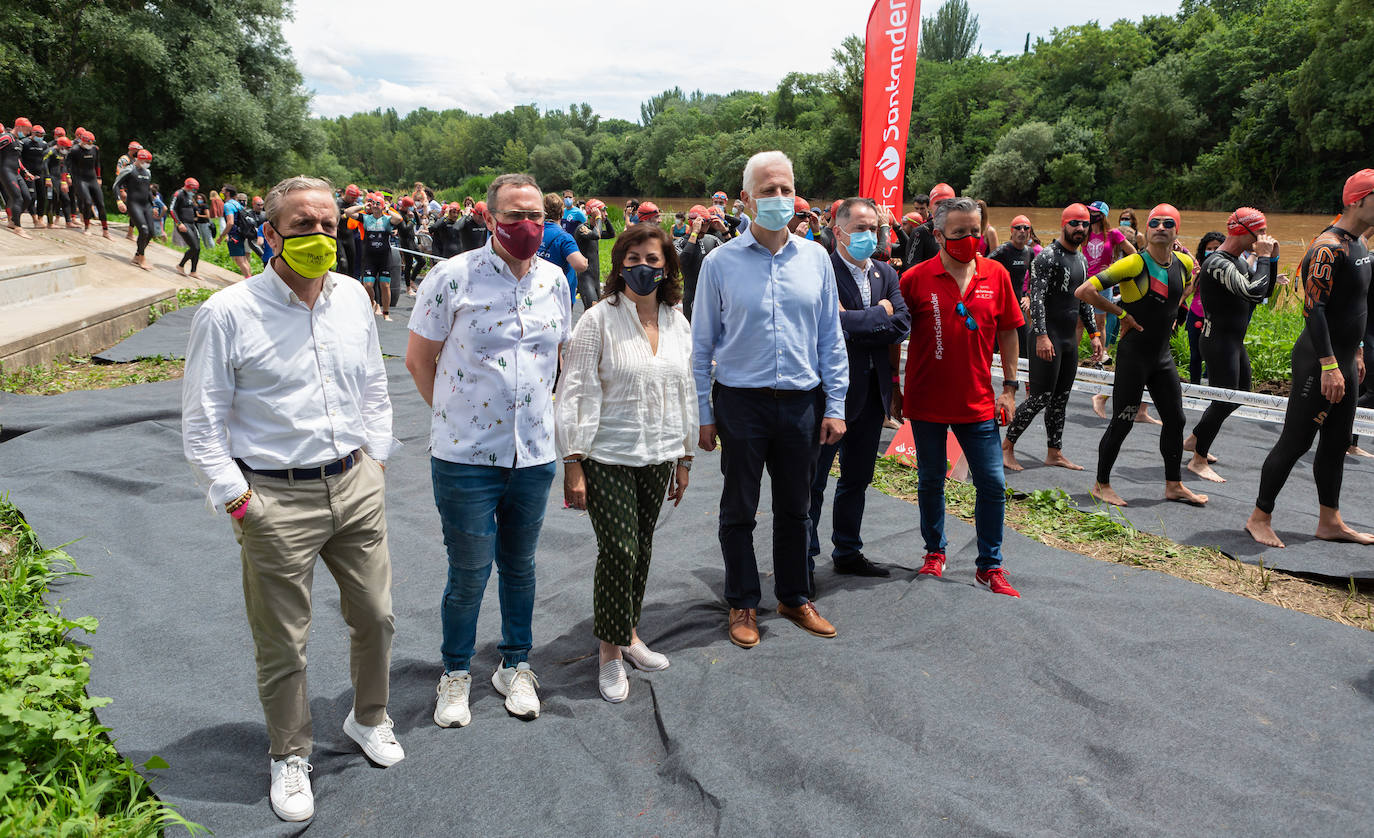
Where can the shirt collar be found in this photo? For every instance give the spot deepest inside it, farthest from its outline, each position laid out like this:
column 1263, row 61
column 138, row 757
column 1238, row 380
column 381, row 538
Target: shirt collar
column 752, row 241
column 283, row 292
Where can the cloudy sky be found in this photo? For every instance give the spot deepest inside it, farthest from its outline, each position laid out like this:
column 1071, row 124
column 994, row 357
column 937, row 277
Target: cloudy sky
column 486, row 56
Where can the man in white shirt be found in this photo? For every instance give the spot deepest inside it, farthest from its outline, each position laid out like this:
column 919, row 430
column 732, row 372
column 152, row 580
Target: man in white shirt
column 484, row 344
column 285, row 412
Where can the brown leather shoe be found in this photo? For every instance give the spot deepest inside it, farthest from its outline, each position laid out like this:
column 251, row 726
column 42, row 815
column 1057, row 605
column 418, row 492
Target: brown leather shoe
column 805, row 616
column 744, row 627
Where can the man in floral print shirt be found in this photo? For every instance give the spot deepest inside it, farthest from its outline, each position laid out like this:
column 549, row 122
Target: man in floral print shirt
column 483, row 351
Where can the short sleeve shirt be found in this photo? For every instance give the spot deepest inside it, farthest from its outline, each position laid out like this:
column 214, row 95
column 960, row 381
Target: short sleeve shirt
column 1098, row 249
column 557, row 247
column 493, row 391
column 232, row 207
column 949, row 365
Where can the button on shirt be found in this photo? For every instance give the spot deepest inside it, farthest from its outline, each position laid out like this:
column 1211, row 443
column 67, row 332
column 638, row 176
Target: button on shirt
column 281, row 385
column 768, row 320
column 860, row 274
column 493, row 389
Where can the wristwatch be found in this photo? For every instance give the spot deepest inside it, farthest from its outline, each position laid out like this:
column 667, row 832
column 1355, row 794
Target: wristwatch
column 685, row 463
column 1014, row 385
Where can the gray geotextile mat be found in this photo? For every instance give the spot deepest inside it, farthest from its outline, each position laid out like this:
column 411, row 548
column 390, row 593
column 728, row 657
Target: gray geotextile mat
column 1241, row 448
column 1108, row 700
column 165, row 338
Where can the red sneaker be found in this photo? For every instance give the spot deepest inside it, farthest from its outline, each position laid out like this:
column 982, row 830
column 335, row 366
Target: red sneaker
column 995, row 580
column 934, row 566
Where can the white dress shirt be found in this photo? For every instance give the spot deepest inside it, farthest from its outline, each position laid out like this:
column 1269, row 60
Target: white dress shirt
column 620, row 403
column 493, row 389
column 281, row 385
column 860, row 274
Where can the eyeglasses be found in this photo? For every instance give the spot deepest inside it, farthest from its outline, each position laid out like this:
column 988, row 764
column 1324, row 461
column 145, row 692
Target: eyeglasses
column 1020, row 227
column 516, row 215
column 1078, row 223
column 962, row 310
column 1166, row 223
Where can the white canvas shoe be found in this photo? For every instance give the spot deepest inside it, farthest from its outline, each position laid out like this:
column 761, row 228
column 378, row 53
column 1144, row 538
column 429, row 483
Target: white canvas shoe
column 517, row 684
column 452, row 707
column 290, row 793
column 614, row 685
column 643, row 658
column 378, row 742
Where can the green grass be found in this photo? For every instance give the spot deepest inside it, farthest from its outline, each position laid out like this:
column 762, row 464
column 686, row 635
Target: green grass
column 59, row 772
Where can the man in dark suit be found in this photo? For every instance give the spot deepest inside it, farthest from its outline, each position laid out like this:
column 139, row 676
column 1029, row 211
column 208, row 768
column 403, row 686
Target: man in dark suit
column 874, row 319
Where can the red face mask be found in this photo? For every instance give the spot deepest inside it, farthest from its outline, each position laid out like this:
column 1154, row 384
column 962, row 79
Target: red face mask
column 962, row 249
column 521, row 239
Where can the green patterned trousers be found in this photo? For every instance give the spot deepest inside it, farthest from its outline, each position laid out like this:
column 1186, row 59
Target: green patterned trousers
column 623, row 503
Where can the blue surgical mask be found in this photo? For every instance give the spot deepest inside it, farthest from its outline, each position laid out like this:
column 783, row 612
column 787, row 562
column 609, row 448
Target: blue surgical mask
column 775, row 212
column 862, row 244
column 567, row 202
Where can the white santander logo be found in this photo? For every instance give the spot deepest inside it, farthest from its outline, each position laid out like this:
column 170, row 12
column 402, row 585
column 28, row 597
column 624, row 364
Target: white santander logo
column 889, row 164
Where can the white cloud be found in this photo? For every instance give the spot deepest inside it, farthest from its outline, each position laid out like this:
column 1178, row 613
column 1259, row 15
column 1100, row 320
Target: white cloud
column 614, row 54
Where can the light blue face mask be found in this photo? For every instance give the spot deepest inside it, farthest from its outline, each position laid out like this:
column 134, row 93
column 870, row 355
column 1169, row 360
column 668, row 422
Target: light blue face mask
column 774, row 213
column 862, row 244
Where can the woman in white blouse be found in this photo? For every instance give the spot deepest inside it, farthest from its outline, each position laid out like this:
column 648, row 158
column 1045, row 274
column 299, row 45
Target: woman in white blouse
column 626, row 428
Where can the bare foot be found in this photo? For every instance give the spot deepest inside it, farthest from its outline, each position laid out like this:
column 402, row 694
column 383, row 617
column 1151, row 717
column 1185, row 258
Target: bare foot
column 143, row 263
column 1182, row 494
column 1009, row 458
column 1344, row 534
column 181, row 269
column 1055, row 457
column 1143, row 416
column 72, row 225
column 1199, row 466
column 85, row 231
column 1105, row 493
column 194, row 275
column 107, row 235
column 1357, row 451
column 1100, row 406
column 20, row 231
column 387, row 317
column 1261, row 528
column 1190, row 444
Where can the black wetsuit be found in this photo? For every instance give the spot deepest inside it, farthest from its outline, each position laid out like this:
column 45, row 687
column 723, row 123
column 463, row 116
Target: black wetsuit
column 1230, row 291
column 376, row 248
column 588, row 237
column 183, row 209
column 1335, row 274
column 690, row 255
column 16, row 191
column 1150, row 294
column 32, row 151
column 444, row 240
column 472, row 232
column 137, row 181
column 84, row 165
column 1054, row 312
column 345, row 248
column 1017, row 262
column 405, row 237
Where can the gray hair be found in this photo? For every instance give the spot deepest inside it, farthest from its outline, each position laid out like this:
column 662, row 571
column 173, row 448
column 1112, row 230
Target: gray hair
column 512, row 179
column 847, row 208
column 944, row 208
column 276, row 197
column 758, row 161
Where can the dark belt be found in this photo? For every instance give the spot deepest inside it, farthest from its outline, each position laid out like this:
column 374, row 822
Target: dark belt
column 319, row 473
column 773, row 392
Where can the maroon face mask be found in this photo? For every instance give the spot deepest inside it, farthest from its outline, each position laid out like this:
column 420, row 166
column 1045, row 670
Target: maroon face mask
column 962, row 249
column 521, row 239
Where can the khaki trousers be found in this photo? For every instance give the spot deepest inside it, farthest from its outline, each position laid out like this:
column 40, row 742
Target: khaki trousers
column 341, row 519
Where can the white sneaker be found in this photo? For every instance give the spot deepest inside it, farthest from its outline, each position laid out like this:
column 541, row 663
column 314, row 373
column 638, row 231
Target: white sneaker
column 378, row 743
column 517, row 685
column 614, row 685
column 452, row 706
column 643, row 658
column 291, row 797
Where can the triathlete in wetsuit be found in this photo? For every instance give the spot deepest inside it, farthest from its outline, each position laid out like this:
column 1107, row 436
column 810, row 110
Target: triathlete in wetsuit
column 55, row 174
column 444, row 234
column 84, row 164
column 1230, row 291
column 122, row 165
column 1015, row 255
column 1327, row 368
column 1152, row 285
column 33, row 150
column 405, row 235
column 16, row 191
column 134, row 188
column 183, row 210
column 377, row 222
column 1054, row 317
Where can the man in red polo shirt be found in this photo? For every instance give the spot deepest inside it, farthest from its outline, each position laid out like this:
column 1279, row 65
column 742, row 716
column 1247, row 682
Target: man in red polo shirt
column 962, row 306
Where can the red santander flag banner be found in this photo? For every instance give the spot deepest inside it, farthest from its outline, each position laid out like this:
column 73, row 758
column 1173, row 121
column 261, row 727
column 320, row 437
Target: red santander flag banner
column 889, row 75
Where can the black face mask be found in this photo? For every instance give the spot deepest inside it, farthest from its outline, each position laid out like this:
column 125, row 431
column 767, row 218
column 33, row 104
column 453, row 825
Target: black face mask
column 642, row 279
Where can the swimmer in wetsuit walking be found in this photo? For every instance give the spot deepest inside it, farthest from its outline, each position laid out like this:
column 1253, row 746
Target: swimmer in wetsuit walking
column 1152, row 286
column 378, row 222
column 1328, row 367
column 1230, row 290
column 134, row 188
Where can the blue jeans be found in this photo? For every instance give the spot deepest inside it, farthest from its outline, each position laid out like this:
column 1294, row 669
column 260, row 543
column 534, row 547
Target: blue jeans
column 982, row 446
column 489, row 514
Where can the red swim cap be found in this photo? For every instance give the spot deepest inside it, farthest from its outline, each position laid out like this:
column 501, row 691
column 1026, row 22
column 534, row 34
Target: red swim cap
column 698, row 211
column 64, row 142
column 1359, row 185
column 134, row 146
column 646, row 209
column 1168, row 211
column 145, row 155
column 22, row 122
column 799, row 204
column 720, row 195
column 940, row 192
column 1246, row 220
column 191, row 184
column 352, row 190
column 59, row 131
column 1073, row 212
column 914, row 218
column 1020, row 220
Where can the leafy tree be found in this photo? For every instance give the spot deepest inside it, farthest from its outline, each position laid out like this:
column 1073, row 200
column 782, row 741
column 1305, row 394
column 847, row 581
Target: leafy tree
column 555, row 164
column 950, row 34
column 514, row 157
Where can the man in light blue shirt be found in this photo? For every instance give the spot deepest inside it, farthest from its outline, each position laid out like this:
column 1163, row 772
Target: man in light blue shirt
column 767, row 315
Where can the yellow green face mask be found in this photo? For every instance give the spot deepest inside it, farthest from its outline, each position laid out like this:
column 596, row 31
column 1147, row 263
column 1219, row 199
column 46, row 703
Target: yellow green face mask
column 311, row 255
